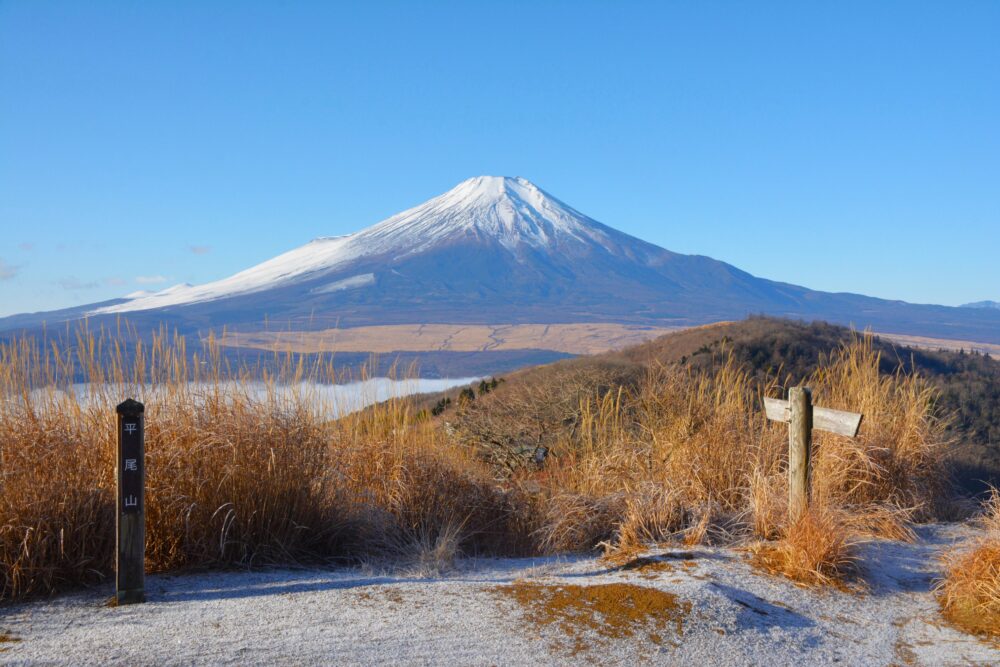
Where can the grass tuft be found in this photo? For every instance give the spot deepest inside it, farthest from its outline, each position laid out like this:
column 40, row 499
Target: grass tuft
column 816, row 550
column 969, row 592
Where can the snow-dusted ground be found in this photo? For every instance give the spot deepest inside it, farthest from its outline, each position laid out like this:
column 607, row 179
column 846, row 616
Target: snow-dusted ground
column 738, row 617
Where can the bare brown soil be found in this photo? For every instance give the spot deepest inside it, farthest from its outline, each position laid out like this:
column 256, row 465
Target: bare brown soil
column 600, row 612
column 7, row 638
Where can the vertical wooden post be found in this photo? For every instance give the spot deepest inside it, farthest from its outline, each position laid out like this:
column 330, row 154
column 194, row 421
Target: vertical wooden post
column 799, row 448
column 130, row 562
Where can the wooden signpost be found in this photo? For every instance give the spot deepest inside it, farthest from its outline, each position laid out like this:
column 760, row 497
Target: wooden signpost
column 130, row 565
column 800, row 415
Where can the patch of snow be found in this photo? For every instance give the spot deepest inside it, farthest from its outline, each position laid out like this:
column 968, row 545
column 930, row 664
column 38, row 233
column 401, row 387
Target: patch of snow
column 362, row 280
column 179, row 288
column 318, row 255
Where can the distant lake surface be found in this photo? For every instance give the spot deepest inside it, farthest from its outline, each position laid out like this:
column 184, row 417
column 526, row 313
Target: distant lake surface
column 326, row 400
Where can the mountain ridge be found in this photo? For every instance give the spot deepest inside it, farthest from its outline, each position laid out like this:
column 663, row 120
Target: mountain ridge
column 509, row 210
column 982, row 304
column 500, row 250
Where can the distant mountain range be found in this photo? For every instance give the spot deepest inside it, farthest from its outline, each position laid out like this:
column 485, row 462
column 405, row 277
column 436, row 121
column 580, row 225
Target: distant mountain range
column 497, row 250
column 982, row 304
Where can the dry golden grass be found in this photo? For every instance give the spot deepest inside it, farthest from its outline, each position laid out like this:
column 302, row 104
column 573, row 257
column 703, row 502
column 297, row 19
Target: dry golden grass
column 241, row 474
column 690, row 456
column 896, row 460
column 238, row 474
column 969, row 592
column 816, row 550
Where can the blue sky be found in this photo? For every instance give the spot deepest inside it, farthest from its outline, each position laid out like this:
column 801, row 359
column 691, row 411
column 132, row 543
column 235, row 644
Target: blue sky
column 843, row 146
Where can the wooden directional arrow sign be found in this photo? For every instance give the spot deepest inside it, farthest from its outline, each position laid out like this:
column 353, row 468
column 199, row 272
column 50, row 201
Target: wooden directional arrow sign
column 800, row 415
column 824, row 419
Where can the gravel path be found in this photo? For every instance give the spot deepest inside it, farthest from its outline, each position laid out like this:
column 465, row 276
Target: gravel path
column 511, row 612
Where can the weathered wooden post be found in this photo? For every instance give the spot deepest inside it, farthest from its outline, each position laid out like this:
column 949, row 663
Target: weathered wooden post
column 130, row 571
column 799, row 449
column 800, row 415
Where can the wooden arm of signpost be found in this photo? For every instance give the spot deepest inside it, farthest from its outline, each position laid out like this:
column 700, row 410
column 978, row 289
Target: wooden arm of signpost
column 800, row 415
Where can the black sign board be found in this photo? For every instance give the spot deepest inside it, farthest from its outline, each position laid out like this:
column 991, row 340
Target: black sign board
column 131, row 502
column 131, row 462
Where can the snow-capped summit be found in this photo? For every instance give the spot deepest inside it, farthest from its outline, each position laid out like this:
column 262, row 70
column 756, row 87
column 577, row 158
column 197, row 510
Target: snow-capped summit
column 513, row 212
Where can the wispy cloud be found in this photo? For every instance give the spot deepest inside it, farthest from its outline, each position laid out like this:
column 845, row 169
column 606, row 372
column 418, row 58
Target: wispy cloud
column 200, row 249
column 73, row 283
column 151, row 280
column 115, row 281
column 7, row 271
column 27, row 247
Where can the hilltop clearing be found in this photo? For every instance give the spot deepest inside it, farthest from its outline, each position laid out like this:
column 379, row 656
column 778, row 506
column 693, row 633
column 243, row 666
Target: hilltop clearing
column 682, row 605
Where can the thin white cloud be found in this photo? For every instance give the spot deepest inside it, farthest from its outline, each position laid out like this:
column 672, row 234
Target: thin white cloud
column 151, row 280
column 7, row 271
column 27, row 247
column 200, row 249
column 115, row 281
column 73, row 283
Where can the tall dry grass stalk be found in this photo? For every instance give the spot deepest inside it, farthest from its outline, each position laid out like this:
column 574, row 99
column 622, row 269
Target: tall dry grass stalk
column 896, row 460
column 671, row 460
column 690, row 455
column 239, row 472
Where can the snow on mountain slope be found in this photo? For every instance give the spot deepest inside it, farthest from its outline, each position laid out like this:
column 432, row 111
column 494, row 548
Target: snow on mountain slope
column 512, row 211
column 500, row 250
column 312, row 257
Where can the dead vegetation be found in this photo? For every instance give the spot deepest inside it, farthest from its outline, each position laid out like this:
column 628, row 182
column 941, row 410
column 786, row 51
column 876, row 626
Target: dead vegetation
column 815, row 550
column 616, row 454
column 688, row 456
column 969, row 592
column 238, row 474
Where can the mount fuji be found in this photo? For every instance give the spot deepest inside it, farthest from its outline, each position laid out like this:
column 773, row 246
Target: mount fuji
column 499, row 250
